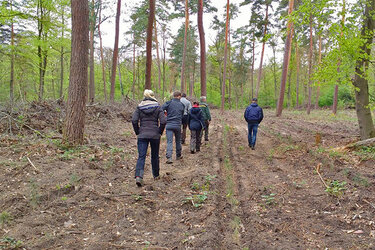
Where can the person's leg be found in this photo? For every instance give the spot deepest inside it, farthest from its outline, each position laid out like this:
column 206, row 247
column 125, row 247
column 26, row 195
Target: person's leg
column 193, row 140
column 249, row 132
column 206, row 131
column 142, row 151
column 198, row 139
column 155, row 146
column 177, row 134
column 255, row 131
column 169, row 133
column 184, row 127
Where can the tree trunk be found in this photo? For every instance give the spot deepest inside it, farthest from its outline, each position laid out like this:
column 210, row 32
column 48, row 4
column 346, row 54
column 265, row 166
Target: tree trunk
column 202, row 48
column 229, row 71
column 91, row 63
column 289, row 94
column 225, row 60
column 262, row 54
column 12, row 58
column 134, row 70
column 75, row 113
column 366, row 125
column 151, row 17
column 310, row 65
column 119, row 77
column 297, row 76
column 274, row 73
column 40, row 31
column 285, row 63
column 115, row 52
column 62, row 54
column 183, row 87
column 319, row 62
column 101, row 53
column 157, row 54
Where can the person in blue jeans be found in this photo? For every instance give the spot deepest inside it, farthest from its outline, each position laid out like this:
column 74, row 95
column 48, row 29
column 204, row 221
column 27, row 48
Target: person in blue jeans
column 254, row 116
column 175, row 112
column 148, row 123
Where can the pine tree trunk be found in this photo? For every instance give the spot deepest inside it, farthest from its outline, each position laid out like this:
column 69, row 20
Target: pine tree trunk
column 319, row 62
column 91, row 63
column 229, row 71
column 252, row 71
column 115, row 52
column 151, row 17
column 262, row 54
column 366, row 125
column 157, row 54
column 75, row 113
column 310, row 66
column 183, row 87
column 134, row 70
column 12, row 58
column 40, row 31
column 274, row 73
column 101, row 53
column 202, row 49
column 288, row 42
column 120, row 79
column 225, row 60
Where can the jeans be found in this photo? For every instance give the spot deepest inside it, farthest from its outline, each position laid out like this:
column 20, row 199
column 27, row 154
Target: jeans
column 195, row 140
column 142, row 151
column 184, row 127
column 177, row 134
column 252, row 135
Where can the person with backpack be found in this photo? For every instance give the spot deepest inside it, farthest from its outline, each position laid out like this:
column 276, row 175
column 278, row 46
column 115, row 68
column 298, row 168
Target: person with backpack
column 175, row 111
column 196, row 124
column 187, row 105
column 148, row 123
column 206, row 115
column 254, row 116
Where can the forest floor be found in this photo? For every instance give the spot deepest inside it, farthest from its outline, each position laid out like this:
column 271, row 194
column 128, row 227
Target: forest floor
column 225, row 197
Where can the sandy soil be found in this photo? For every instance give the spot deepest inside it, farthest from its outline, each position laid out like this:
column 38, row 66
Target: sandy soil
column 225, row 197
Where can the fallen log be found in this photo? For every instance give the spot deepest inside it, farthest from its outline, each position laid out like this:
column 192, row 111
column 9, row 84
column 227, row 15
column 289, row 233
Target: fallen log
column 367, row 142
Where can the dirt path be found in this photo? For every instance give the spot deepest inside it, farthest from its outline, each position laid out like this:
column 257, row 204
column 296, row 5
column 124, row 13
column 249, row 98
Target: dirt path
column 224, row 197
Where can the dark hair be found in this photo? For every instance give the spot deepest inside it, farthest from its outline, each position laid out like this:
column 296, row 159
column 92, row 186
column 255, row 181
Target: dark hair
column 183, row 95
column 255, row 99
column 176, row 94
column 195, row 103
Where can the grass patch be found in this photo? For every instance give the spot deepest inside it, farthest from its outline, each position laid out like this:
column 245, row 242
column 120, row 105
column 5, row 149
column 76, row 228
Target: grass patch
column 336, row 188
column 5, row 218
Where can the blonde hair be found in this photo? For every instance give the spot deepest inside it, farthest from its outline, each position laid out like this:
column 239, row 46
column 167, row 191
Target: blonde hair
column 149, row 94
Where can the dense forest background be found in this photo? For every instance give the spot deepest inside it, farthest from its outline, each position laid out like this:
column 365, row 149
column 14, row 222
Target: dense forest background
column 327, row 39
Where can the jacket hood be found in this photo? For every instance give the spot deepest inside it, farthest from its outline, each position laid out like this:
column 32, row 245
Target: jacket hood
column 254, row 105
column 148, row 105
column 195, row 110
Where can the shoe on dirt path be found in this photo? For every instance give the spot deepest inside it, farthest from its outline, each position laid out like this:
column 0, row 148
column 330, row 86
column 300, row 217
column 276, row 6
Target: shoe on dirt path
column 139, row 181
column 179, row 157
column 252, row 147
column 192, row 152
column 169, row 161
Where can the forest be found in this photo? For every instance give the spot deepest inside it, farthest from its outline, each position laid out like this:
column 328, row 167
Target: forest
column 68, row 150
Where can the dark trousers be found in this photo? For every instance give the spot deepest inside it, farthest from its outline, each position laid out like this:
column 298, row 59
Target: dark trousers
column 142, row 151
column 195, row 140
column 205, row 131
column 184, row 127
column 252, row 134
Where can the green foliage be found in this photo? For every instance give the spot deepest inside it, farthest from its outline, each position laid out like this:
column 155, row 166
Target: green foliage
column 137, row 197
column 269, row 199
column 197, row 200
column 365, row 153
column 34, row 193
column 336, row 188
column 10, row 243
column 5, row 217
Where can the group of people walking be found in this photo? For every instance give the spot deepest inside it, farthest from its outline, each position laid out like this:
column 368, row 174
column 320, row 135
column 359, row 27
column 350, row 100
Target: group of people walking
column 150, row 119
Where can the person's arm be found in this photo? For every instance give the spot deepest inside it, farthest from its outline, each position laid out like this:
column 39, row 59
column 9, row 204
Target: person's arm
column 208, row 113
column 189, row 106
column 261, row 115
column 162, row 121
column 135, row 121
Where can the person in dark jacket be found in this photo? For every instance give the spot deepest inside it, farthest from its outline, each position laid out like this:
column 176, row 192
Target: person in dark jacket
column 148, row 123
column 254, row 116
column 175, row 111
column 206, row 115
column 187, row 105
column 196, row 124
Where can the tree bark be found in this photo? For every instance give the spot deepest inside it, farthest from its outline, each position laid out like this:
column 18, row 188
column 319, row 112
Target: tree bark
column 157, row 54
column 297, row 75
column 366, row 125
column 91, row 63
column 183, row 87
column 225, row 60
column 115, row 52
column 202, row 49
column 101, row 52
column 310, row 65
column 151, row 17
column 252, row 70
column 75, row 113
column 12, row 58
column 262, row 54
column 285, row 63
column 134, row 70
column 120, row 79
